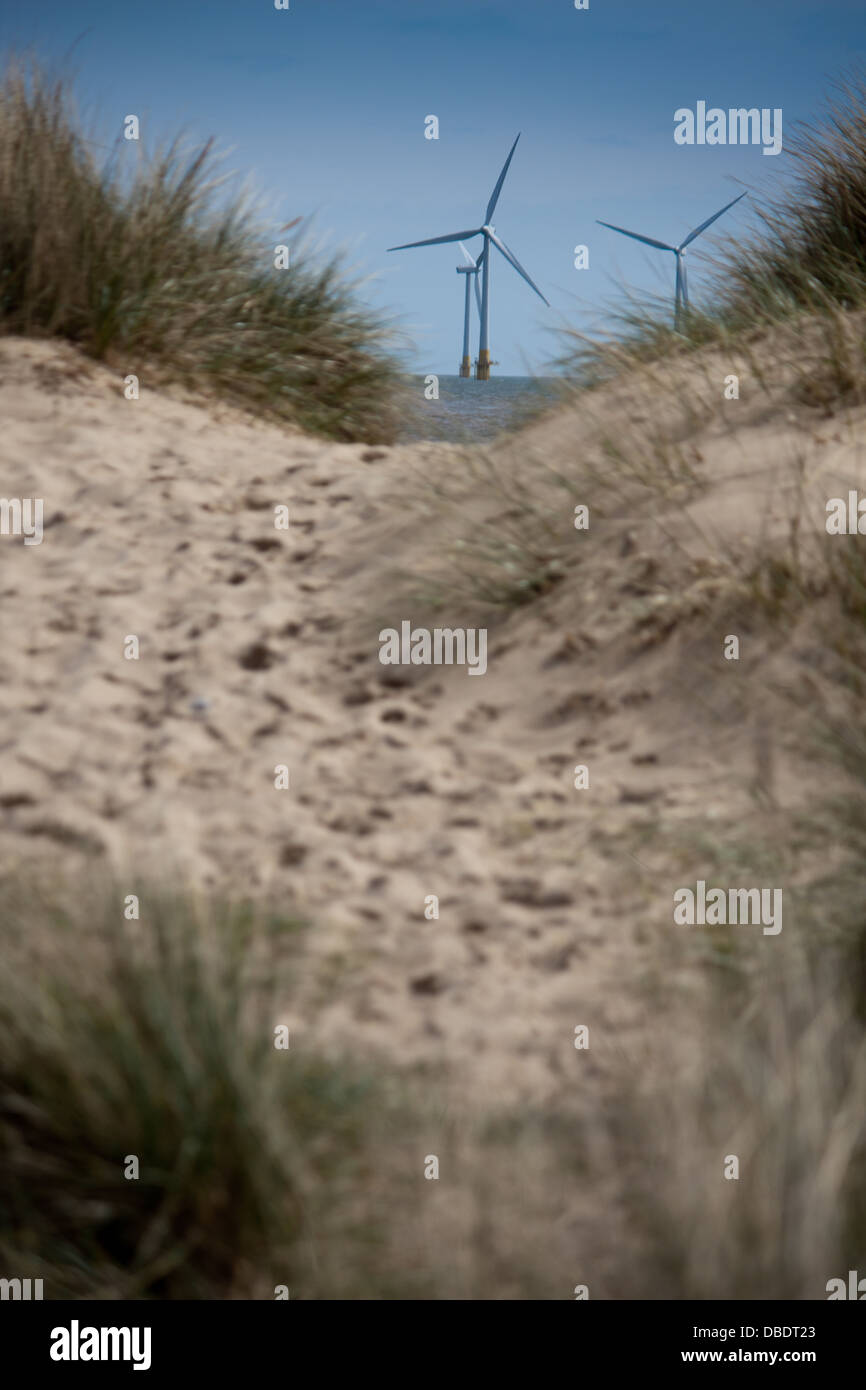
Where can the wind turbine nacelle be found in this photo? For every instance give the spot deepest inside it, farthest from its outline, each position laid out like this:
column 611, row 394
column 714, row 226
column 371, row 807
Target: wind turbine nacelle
column 466, row 269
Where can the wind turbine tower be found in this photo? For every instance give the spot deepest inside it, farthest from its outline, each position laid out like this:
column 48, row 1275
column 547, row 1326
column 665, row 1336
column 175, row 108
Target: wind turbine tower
column 482, row 371
column 470, row 270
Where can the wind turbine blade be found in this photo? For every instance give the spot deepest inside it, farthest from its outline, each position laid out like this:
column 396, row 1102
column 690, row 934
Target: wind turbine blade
column 650, row 241
column 512, row 259
column 477, row 295
column 435, row 240
column 467, row 255
column 703, row 227
column 494, row 197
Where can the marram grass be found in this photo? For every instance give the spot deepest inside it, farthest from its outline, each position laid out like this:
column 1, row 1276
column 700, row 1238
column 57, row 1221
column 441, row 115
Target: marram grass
column 145, row 262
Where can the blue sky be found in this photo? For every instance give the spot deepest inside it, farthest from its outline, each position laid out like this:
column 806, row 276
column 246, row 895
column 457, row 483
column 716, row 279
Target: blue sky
column 323, row 105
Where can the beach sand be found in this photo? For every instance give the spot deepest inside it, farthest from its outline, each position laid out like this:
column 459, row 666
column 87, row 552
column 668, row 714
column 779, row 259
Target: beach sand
column 259, row 647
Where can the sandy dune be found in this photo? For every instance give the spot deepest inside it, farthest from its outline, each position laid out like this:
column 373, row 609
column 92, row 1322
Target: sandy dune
column 259, row 647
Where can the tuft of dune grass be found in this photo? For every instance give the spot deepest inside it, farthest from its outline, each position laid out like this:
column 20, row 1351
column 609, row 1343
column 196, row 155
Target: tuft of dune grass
column 809, row 251
column 149, row 1040
column 147, row 262
column 259, row 1167
column 760, row 1054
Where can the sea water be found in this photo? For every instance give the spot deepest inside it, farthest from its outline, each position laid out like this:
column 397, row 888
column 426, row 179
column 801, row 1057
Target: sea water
column 468, row 411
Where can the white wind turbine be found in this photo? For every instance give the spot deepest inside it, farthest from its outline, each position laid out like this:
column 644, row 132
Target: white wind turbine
column 490, row 238
column 681, row 301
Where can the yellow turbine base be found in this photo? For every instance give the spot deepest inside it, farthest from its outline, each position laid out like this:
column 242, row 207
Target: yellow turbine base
column 466, row 367
column 482, row 371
